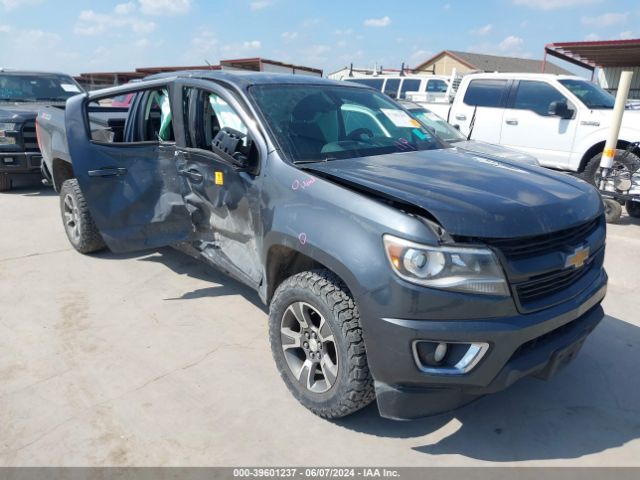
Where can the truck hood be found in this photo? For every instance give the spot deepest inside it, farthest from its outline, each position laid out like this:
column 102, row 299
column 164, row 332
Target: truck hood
column 470, row 195
column 21, row 112
column 493, row 150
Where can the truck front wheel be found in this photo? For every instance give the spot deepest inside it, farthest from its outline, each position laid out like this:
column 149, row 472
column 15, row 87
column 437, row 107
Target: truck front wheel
column 78, row 224
column 317, row 344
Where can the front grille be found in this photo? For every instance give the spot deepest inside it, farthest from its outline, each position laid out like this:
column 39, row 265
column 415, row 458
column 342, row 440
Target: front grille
column 539, row 245
column 29, row 137
column 536, row 266
column 549, row 284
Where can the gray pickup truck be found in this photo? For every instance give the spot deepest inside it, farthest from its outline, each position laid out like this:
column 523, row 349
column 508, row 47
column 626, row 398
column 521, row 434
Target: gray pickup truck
column 395, row 267
column 22, row 95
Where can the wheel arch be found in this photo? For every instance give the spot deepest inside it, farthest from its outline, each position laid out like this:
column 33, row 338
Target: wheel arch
column 62, row 170
column 284, row 261
column 598, row 148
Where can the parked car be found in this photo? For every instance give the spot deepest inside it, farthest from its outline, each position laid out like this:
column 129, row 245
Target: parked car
column 394, row 267
column 453, row 136
column 562, row 120
column 429, row 88
column 22, row 94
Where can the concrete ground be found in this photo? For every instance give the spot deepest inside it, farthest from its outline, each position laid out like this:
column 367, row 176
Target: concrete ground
column 154, row 359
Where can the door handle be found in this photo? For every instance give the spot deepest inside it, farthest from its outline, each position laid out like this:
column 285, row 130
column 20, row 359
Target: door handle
column 192, row 174
column 108, row 172
column 511, row 121
column 461, row 117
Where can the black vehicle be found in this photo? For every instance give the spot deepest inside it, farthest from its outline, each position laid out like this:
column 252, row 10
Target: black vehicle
column 22, row 95
column 394, row 266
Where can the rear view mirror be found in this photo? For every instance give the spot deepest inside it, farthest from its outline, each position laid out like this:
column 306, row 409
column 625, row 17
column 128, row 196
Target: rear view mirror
column 560, row 109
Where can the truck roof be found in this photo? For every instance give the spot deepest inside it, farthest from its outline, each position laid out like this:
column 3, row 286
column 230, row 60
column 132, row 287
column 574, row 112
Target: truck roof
column 30, row 72
column 245, row 79
column 523, row 76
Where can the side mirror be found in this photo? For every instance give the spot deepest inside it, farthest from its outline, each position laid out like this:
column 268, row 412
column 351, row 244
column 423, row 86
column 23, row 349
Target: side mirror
column 226, row 144
column 456, row 126
column 560, row 109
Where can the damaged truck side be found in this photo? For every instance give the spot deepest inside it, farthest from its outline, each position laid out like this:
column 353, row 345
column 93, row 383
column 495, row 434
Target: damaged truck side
column 395, row 268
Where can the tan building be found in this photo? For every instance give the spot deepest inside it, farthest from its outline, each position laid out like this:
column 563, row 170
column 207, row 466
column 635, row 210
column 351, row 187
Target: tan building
column 464, row 62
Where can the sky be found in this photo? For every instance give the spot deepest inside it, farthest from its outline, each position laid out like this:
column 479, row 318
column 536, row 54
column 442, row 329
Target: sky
column 77, row 36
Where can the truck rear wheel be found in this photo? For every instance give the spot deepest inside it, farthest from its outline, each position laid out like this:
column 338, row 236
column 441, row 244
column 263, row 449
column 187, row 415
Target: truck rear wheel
column 317, row 344
column 76, row 218
column 5, row 182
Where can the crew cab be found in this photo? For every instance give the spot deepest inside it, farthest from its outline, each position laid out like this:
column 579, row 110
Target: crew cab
column 395, row 267
column 562, row 120
column 22, row 95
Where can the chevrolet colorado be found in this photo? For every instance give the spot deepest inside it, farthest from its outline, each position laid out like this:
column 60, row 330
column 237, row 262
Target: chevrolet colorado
column 395, row 267
column 22, row 95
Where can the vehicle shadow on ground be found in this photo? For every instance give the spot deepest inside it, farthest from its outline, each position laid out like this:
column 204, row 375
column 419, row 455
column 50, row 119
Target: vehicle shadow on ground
column 628, row 220
column 30, row 190
column 183, row 264
column 590, row 406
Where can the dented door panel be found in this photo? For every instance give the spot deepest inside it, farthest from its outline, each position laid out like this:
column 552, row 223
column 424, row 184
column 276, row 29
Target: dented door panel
column 224, row 202
column 133, row 190
column 225, row 215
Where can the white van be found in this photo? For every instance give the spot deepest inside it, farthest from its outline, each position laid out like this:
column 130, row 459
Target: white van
column 429, row 88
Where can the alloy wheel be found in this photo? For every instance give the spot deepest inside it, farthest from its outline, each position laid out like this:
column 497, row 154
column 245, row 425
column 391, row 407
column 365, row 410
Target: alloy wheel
column 309, row 347
column 71, row 217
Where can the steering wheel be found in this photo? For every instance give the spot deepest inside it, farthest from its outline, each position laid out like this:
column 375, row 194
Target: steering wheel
column 358, row 132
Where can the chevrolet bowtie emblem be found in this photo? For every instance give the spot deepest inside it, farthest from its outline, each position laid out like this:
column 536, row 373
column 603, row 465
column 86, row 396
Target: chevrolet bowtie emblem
column 577, row 258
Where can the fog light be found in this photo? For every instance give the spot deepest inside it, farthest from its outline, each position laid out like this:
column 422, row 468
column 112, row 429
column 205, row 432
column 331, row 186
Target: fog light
column 448, row 358
column 441, row 351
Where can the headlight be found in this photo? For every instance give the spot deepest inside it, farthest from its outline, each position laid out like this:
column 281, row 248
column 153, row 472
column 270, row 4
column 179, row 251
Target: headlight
column 474, row 270
column 4, row 127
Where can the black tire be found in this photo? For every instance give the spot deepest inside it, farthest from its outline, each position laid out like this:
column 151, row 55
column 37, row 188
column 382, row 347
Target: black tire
column 590, row 173
column 351, row 388
column 612, row 210
column 78, row 223
column 633, row 209
column 5, row 183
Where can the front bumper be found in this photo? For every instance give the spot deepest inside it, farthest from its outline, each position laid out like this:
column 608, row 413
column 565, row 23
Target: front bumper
column 535, row 344
column 20, row 162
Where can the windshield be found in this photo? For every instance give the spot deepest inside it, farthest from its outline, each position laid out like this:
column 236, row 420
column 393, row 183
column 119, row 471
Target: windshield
column 318, row 123
column 591, row 95
column 441, row 128
column 36, row 88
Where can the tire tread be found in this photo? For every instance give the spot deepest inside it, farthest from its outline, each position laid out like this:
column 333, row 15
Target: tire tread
column 90, row 238
column 359, row 391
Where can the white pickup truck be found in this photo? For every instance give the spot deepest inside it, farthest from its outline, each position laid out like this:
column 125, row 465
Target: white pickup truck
column 561, row 120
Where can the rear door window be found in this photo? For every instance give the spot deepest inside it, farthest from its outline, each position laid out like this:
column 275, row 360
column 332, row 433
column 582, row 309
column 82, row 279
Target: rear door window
column 391, row 87
column 486, row 93
column 409, row 85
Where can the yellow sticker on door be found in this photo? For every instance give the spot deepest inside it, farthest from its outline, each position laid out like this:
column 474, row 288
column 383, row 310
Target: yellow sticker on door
column 219, row 178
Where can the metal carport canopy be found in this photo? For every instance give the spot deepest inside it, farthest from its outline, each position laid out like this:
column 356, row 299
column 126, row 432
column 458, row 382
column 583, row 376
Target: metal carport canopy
column 606, row 53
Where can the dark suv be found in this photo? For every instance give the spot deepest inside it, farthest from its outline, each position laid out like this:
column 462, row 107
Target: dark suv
column 22, row 95
column 394, row 266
